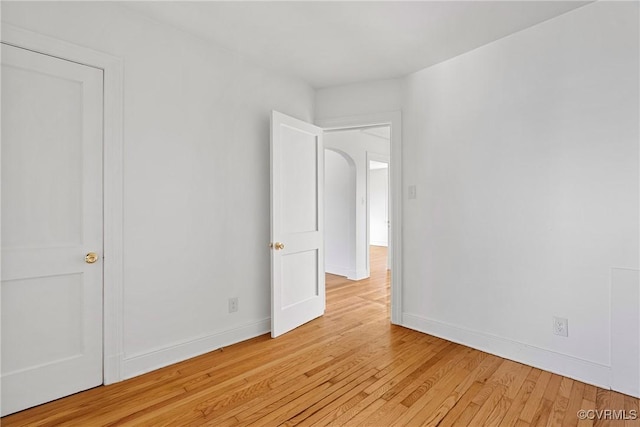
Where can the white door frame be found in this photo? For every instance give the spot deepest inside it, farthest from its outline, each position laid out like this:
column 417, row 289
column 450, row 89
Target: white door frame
column 393, row 119
column 113, row 179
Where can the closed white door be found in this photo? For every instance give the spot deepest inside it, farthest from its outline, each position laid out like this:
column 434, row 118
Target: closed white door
column 297, row 254
column 51, row 193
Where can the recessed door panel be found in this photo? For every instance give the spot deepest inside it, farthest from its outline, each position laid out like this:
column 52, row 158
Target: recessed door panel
column 299, row 186
column 43, row 158
column 299, row 277
column 41, row 321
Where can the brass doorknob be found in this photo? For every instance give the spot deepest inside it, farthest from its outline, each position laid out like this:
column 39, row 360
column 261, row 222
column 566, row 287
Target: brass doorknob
column 278, row 246
column 91, row 257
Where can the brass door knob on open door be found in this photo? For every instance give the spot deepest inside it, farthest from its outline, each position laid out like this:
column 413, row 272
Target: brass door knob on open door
column 278, row 246
column 91, row 257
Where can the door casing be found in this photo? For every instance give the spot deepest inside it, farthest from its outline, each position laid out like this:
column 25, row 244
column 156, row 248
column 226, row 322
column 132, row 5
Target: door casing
column 112, row 180
column 394, row 120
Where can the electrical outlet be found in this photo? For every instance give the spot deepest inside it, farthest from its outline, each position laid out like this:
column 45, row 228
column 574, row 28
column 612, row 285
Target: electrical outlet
column 561, row 326
column 233, row 304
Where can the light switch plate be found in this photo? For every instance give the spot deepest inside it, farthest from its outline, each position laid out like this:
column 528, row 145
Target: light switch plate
column 412, row 191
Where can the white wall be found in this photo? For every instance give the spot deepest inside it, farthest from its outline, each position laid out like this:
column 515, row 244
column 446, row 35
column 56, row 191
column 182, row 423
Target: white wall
column 364, row 98
column 378, row 207
column 356, row 144
column 340, row 214
column 525, row 157
column 196, row 180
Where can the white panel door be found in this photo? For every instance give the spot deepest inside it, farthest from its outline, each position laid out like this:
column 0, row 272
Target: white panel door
column 297, row 254
column 51, row 193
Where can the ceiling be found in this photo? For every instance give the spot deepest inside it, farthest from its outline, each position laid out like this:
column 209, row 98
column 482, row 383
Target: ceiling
column 329, row 43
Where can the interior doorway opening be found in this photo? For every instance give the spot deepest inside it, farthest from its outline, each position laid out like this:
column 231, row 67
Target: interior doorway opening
column 391, row 124
column 356, row 198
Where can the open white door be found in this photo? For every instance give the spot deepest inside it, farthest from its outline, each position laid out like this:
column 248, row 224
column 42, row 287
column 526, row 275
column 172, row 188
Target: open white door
column 51, row 287
column 297, row 249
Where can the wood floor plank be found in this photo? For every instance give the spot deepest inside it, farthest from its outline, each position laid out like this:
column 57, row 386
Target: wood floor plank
column 350, row 367
column 425, row 386
column 498, row 412
column 513, row 386
column 560, row 403
column 319, row 404
column 587, row 405
column 506, row 382
column 531, row 407
column 511, row 418
column 424, row 411
column 435, row 410
column 603, row 400
column 632, row 409
column 575, row 401
column 544, row 410
column 468, row 395
column 386, row 381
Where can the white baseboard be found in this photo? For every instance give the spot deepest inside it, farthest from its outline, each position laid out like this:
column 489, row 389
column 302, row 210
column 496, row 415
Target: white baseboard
column 358, row 275
column 345, row 272
column 337, row 270
column 379, row 243
column 558, row 363
column 146, row 362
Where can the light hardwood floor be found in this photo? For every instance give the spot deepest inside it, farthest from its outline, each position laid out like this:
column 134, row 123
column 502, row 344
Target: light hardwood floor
column 350, row 367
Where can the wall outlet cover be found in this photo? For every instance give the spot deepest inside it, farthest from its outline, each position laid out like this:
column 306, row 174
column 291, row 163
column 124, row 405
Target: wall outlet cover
column 561, row 326
column 233, row 304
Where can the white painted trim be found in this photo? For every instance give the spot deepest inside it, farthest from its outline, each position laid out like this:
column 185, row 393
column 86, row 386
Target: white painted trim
column 113, row 178
column 354, row 275
column 558, row 363
column 359, row 275
column 394, row 119
column 151, row 360
column 338, row 271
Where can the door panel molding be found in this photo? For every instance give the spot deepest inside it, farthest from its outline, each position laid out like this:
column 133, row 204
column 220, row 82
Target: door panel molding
column 113, row 179
column 393, row 119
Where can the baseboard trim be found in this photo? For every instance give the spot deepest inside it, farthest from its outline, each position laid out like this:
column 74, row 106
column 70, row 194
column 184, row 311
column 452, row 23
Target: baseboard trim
column 338, row 271
column 358, row 275
column 558, row 363
column 345, row 272
column 146, row 362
